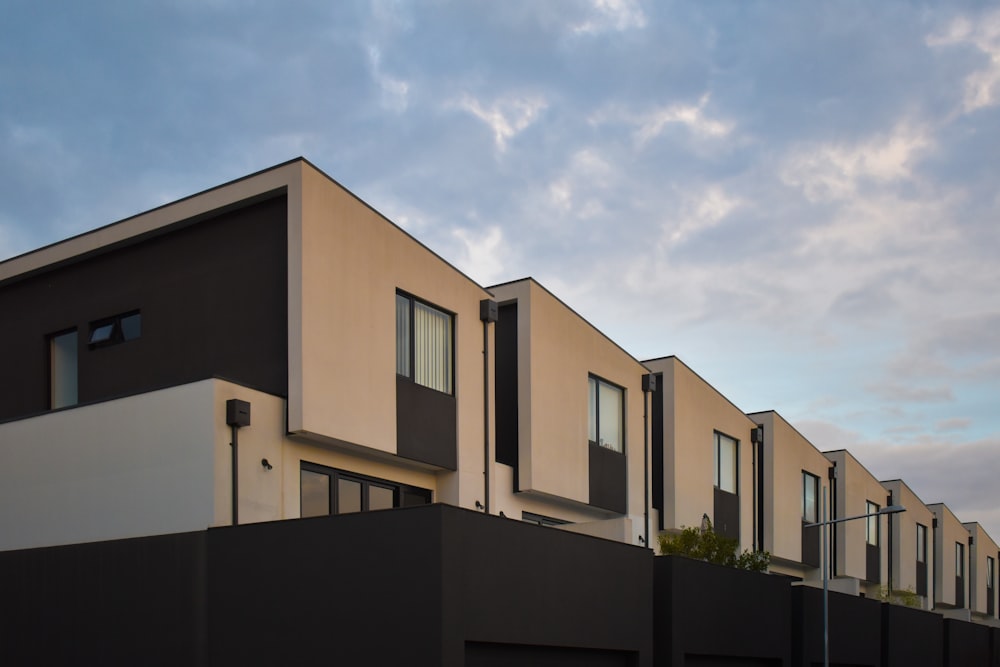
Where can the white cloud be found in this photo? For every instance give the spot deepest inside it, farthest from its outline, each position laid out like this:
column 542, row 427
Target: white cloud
column 982, row 86
column 505, row 117
column 577, row 190
column 690, row 116
column 828, row 171
column 698, row 214
column 482, row 254
column 394, row 91
column 611, row 16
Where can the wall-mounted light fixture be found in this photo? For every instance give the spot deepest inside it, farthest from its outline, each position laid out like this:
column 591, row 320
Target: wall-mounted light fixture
column 480, row 506
column 267, row 464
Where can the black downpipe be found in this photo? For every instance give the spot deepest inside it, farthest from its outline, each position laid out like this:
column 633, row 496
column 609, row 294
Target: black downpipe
column 488, row 312
column 888, row 546
column 833, row 515
column 645, row 464
column 236, row 478
column 933, row 551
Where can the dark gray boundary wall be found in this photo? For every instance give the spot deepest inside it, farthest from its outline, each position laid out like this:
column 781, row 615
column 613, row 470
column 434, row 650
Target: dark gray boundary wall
column 126, row 602
column 966, row 644
column 707, row 614
column 436, row 585
column 911, row 637
column 855, row 629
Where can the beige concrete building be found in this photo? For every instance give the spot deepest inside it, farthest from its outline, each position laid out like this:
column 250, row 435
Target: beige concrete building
column 859, row 563
column 794, row 478
column 702, row 457
column 951, row 562
column 911, row 548
column 570, row 435
column 983, row 554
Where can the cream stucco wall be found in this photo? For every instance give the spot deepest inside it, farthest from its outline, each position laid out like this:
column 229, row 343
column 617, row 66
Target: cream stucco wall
column 557, row 352
column 787, row 454
column 948, row 533
column 693, row 411
column 904, row 539
column 140, row 465
column 854, row 487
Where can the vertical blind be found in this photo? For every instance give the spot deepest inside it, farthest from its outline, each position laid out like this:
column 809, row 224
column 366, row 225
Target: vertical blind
column 605, row 416
column 432, row 348
column 725, row 463
column 402, row 335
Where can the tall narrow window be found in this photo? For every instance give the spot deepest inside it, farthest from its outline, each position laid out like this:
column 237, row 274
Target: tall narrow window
column 606, row 427
column 424, row 341
column 959, row 559
column 726, row 463
column 810, row 495
column 990, row 566
column 872, row 533
column 63, row 369
column 921, row 543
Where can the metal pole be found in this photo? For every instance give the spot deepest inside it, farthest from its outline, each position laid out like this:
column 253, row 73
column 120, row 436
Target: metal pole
column 826, row 585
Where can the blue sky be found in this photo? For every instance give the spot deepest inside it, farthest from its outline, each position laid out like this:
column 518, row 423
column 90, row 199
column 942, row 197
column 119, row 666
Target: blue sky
column 797, row 199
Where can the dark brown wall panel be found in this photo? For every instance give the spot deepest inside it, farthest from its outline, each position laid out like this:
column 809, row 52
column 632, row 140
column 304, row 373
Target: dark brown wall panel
column 608, row 479
column 213, row 298
column 426, row 424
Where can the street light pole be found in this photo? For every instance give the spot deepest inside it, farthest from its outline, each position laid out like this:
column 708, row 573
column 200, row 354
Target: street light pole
column 825, row 524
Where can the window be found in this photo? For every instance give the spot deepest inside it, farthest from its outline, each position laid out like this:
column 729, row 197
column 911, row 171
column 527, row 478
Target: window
column 872, row 521
column 921, row 543
column 810, row 497
column 542, row 520
column 990, row 566
column 63, row 369
column 424, row 342
column 117, row 329
column 726, row 463
column 605, row 415
column 325, row 491
column 959, row 559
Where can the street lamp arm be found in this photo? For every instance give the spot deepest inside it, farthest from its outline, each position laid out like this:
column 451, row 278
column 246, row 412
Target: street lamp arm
column 892, row 509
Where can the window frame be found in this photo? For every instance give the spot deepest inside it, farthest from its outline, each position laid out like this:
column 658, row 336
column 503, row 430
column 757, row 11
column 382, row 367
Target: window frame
column 594, row 384
column 717, row 437
column 808, row 477
column 921, row 543
column 959, row 560
column 64, row 369
column 335, row 476
column 118, row 332
column 411, row 342
column 872, row 524
column 990, row 572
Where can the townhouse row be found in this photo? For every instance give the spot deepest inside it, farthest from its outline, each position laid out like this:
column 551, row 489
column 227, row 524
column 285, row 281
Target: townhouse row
column 274, row 348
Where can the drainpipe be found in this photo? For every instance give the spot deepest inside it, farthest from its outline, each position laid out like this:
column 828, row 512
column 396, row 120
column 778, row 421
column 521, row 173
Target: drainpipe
column 756, row 440
column 488, row 312
column 832, row 565
column 237, row 415
column 888, row 547
column 933, row 551
column 648, row 386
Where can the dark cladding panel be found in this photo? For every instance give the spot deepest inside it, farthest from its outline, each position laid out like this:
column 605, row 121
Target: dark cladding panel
column 608, row 479
column 506, row 386
column 811, row 539
column 727, row 514
column 212, row 296
column 873, row 563
column 921, row 578
column 483, row 654
column 911, row 637
column 426, row 425
column 657, row 445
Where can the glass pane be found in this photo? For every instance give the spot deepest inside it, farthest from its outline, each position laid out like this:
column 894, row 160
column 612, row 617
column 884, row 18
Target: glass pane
column 809, row 484
column 402, row 336
column 592, row 410
column 872, row 537
column 63, row 370
column 921, row 543
column 379, row 498
column 959, row 560
column 609, row 405
column 432, row 348
column 102, row 333
column 314, row 492
column 348, row 496
column 727, row 463
column 131, row 326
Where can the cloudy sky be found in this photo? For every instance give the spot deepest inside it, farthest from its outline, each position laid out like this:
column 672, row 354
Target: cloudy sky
column 800, row 200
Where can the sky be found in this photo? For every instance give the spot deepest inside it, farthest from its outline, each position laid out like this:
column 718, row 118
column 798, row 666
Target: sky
column 798, row 199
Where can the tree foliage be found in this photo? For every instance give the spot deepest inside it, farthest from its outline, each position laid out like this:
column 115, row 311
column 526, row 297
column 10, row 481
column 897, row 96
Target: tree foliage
column 707, row 545
column 906, row 597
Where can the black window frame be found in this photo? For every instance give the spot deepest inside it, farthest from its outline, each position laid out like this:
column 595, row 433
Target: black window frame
column 921, row 543
column 716, row 449
column 808, row 477
column 872, row 521
column 400, row 491
column 597, row 413
column 411, row 334
column 117, row 334
column 542, row 520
